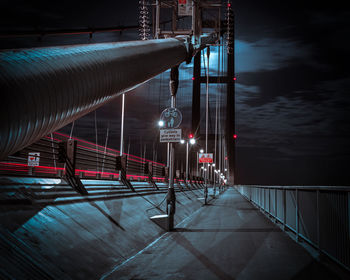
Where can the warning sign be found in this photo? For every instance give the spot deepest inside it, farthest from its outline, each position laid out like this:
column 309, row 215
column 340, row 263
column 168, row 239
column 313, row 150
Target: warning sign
column 205, row 157
column 185, row 8
column 170, row 135
column 33, row 159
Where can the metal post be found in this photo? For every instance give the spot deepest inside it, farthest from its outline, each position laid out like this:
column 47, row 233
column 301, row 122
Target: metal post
column 296, row 215
column 206, row 127
column 157, row 19
column 171, row 198
column 270, row 206
column 122, row 130
column 194, row 26
column 186, row 161
column 318, row 223
column 284, row 210
column 122, row 126
column 276, row 214
column 207, row 103
column 174, row 19
column 167, row 154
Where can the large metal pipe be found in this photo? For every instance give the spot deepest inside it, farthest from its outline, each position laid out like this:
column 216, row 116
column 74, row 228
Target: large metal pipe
column 44, row 89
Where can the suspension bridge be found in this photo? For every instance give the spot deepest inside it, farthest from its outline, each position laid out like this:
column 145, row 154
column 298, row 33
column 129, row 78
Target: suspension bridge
column 75, row 209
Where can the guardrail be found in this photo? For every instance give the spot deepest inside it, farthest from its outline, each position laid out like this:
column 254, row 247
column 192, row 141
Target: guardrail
column 318, row 215
column 91, row 161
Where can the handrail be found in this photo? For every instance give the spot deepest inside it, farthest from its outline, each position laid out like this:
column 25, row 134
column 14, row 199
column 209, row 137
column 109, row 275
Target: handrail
column 318, row 215
column 87, row 159
column 311, row 188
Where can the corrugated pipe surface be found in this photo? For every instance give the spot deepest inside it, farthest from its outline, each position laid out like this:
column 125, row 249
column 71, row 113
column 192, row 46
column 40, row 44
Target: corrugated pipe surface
column 44, row 89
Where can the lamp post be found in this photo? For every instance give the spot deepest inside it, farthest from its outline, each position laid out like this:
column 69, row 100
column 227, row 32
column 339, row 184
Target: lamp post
column 161, row 124
column 200, row 151
column 191, row 141
column 209, row 171
column 212, row 174
column 122, row 132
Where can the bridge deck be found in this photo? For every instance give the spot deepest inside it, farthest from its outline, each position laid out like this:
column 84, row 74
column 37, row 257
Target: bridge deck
column 228, row 239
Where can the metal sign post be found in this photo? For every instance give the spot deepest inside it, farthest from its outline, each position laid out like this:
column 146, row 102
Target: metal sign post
column 171, row 198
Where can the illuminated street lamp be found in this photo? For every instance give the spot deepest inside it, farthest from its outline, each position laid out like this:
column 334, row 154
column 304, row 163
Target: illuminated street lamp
column 161, row 123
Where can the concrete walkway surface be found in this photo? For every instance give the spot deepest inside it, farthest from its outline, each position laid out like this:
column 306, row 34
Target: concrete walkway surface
column 227, row 239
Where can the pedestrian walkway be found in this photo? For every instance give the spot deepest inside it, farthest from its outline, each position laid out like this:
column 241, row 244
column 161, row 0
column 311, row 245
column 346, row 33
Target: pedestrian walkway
column 227, row 239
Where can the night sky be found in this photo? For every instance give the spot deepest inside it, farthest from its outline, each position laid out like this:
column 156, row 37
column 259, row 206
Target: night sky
column 292, row 88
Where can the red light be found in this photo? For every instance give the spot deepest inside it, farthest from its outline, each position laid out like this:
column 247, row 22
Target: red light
column 228, row 4
column 234, row 136
column 193, row 78
column 190, row 135
column 234, row 78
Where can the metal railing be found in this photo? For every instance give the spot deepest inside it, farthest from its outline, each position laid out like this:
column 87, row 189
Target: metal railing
column 91, row 162
column 318, row 215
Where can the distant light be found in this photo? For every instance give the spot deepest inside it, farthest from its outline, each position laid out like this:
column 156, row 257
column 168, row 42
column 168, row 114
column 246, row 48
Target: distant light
column 234, row 78
column 192, row 141
column 190, row 135
column 193, row 78
column 201, row 151
column 161, row 123
column 202, row 167
column 228, row 4
column 225, row 169
column 182, row 141
column 205, row 169
column 234, row 136
column 213, row 164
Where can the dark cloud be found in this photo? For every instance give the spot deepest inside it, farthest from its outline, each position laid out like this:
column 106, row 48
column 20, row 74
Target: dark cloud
column 271, row 167
column 293, row 79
